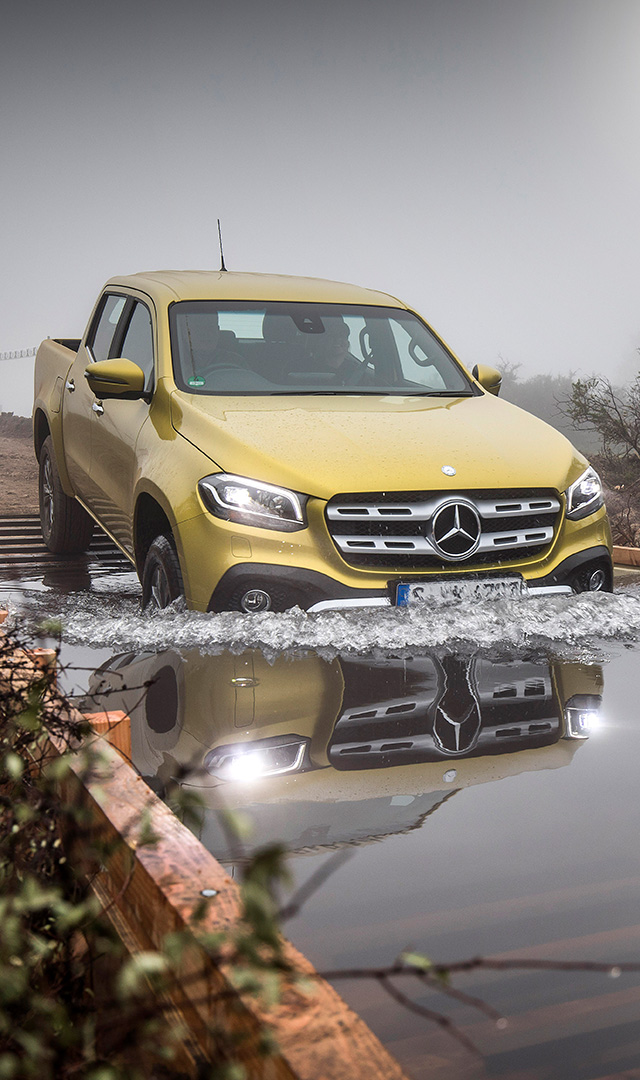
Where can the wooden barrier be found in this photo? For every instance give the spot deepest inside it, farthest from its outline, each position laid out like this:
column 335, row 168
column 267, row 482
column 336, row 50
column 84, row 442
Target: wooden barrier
column 149, row 891
column 116, row 726
column 626, row 556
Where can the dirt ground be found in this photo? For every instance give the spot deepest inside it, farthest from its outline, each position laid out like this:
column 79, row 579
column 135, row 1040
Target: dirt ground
column 18, row 467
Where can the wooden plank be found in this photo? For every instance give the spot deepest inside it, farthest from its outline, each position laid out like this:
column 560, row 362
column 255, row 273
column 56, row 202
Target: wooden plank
column 189, row 1056
column 22, row 547
column 43, row 659
column 626, row 556
column 158, row 889
column 116, row 726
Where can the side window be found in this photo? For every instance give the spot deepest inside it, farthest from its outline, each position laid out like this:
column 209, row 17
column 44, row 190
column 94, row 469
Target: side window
column 137, row 345
column 104, row 328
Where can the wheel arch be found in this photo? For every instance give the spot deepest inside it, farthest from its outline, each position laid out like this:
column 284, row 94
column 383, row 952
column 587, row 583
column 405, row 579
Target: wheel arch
column 41, row 430
column 150, row 519
column 45, row 425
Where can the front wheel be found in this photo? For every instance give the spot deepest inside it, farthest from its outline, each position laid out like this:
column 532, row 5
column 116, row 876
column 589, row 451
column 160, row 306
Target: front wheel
column 66, row 525
column 161, row 576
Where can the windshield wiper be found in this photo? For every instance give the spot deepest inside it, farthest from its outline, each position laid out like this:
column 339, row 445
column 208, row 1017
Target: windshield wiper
column 300, row 393
column 356, row 390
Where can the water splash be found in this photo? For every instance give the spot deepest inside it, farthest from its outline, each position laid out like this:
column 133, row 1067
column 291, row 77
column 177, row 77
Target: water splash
column 559, row 622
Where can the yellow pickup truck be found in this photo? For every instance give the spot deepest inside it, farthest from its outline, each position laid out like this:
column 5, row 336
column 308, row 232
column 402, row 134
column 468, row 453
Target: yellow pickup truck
column 255, row 442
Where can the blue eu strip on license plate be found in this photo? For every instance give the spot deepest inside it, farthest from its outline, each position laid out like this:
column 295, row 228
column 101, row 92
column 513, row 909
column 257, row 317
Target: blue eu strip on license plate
column 416, row 592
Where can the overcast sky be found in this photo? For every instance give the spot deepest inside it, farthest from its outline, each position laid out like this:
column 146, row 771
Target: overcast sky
column 478, row 158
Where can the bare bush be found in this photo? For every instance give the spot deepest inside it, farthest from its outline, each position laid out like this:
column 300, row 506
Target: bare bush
column 596, row 405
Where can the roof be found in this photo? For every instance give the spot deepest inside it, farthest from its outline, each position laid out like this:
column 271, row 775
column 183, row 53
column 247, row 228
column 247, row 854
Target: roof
column 172, row 285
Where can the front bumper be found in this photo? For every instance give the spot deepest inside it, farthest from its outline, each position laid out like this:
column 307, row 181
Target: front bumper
column 316, row 592
column 221, row 561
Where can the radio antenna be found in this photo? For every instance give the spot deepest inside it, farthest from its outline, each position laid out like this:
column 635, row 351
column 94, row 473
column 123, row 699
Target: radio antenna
column 222, row 266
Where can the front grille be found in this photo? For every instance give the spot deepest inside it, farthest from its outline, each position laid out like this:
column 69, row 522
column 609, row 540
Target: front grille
column 377, row 737
column 391, row 529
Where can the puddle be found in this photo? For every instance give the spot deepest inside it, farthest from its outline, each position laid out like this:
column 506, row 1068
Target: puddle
column 477, row 762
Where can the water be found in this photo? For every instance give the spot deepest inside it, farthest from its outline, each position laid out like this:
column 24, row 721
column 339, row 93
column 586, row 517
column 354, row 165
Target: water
column 431, row 747
column 108, row 613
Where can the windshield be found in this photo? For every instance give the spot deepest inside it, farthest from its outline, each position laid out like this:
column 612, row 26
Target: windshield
column 299, row 348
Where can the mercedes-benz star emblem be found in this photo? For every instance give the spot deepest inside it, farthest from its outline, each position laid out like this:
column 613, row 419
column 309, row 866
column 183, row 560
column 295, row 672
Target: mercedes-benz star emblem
column 455, row 530
column 457, row 718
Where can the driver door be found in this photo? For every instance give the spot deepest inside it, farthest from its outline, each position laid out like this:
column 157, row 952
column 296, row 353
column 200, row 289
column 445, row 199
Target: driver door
column 78, row 413
column 117, row 424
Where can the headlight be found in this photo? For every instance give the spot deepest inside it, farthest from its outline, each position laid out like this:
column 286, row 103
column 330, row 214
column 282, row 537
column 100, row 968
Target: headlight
column 275, row 756
column 584, row 496
column 251, row 502
column 582, row 715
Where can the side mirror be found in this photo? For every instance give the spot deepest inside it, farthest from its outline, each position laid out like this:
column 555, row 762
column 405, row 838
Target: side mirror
column 116, row 379
column 488, row 377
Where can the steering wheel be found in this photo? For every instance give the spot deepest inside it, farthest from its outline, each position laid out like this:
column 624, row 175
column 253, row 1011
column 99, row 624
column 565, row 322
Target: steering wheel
column 211, row 369
column 227, row 366
column 353, row 371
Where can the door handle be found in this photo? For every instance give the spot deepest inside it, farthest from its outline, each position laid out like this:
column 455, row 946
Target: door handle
column 97, row 408
column 70, row 385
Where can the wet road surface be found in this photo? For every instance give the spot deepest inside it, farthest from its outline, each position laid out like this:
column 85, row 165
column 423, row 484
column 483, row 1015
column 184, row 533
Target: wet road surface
column 478, row 765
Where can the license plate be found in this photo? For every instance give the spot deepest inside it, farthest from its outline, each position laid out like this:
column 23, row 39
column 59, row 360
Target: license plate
column 419, row 592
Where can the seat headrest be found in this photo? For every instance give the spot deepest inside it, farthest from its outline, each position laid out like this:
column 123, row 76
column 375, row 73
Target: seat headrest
column 279, row 328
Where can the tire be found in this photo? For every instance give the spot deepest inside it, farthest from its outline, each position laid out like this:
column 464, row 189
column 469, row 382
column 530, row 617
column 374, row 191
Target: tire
column 66, row 525
column 161, row 576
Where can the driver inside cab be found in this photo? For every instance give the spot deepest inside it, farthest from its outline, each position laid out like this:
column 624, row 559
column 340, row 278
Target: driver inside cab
column 330, row 352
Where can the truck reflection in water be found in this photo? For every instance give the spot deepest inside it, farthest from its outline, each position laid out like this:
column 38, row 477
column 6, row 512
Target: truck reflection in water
column 449, row 707
column 363, row 747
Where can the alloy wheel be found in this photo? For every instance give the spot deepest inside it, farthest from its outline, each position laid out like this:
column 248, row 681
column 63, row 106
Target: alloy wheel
column 160, row 592
column 47, row 494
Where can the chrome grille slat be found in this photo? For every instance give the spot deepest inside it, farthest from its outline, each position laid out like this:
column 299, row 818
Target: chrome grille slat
column 419, row 544
column 384, row 543
column 421, row 511
column 393, row 708
column 424, row 511
column 395, row 528
column 490, row 508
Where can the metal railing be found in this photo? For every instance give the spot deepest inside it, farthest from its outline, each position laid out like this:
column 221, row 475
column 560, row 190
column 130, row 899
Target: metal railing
column 18, row 354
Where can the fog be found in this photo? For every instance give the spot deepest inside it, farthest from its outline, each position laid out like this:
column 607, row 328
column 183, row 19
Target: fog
column 477, row 158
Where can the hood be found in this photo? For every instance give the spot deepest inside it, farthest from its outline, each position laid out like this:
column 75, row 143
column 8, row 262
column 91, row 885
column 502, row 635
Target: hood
column 325, row 445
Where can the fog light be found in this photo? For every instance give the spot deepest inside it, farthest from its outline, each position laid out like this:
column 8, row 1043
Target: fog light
column 255, row 600
column 597, row 581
